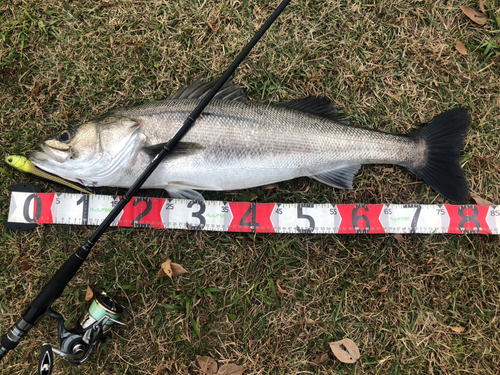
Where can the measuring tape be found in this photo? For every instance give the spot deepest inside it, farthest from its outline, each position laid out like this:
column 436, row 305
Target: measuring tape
column 141, row 212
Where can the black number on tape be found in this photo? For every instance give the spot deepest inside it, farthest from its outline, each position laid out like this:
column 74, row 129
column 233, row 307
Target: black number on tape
column 38, row 208
column 301, row 215
column 357, row 218
column 147, row 210
column 85, row 208
column 252, row 212
column 469, row 219
column 414, row 221
column 198, row 214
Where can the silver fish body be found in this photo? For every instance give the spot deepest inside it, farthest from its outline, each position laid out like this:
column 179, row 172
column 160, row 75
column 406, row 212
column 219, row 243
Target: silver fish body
column 238, row 144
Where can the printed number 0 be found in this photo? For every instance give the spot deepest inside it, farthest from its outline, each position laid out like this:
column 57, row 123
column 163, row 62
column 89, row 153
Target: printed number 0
column 38, row 208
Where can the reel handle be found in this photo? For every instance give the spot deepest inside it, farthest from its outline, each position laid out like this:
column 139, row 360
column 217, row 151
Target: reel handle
column 46, row 362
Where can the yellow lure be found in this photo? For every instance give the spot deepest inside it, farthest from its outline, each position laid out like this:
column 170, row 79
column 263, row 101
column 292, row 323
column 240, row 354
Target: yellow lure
column 24, row 165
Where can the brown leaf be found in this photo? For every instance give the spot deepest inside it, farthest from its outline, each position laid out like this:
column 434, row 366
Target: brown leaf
column 230, row 369
column 207, row 364
column 321, row 359
column 461, row 48
column 177, row 269
column 399, row 237
column 89, row 294
column 10, row 72
column 389, row 170
column 214, row 28
column 474, row 15
column 280, row 289
column 36, row 89
column 458, row 329
column 383, row 289
column 481, row 6
column 481, row 201
column 345, row 350
column 271, row 186
column 166, row 269
column 26, row 266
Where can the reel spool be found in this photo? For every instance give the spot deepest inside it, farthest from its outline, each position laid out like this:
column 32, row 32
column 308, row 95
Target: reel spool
column 76, row 345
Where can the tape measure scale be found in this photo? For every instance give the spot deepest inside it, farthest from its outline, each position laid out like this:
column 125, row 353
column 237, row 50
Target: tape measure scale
column 166, row 213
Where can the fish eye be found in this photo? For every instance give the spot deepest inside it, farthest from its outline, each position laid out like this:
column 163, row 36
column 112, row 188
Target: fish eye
column 65, row 136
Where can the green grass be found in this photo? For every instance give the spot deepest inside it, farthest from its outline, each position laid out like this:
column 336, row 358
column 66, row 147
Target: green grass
column 388, row 65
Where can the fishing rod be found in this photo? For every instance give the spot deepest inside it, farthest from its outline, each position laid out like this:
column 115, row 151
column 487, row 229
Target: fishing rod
column 77, row 345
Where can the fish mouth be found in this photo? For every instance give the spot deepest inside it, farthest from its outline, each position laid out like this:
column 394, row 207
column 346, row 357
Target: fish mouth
column 50, row 153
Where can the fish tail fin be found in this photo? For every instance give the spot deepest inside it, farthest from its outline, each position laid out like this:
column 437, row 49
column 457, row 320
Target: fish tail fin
column 444, row 137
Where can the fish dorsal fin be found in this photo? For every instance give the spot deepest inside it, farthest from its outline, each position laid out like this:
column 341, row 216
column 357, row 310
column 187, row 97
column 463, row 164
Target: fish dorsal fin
column 180, row 149
column 198, row 90
column 340, row 178
column 318, row 106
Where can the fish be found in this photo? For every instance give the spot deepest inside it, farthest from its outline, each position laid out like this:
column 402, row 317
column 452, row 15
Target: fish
column 22, row 164
column 236, row 144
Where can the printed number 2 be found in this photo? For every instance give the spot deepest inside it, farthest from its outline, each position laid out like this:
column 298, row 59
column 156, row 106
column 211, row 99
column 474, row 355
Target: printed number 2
column 147, row 210
column 301, row 215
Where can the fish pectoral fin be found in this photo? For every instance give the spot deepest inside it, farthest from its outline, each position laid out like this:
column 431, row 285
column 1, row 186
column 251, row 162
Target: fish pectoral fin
column 339, row 178
column 181, row 149
column 318, row 106
column 180, row 191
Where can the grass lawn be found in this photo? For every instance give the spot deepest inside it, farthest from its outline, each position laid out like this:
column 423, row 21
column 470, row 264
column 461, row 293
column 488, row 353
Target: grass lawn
column 270, row 303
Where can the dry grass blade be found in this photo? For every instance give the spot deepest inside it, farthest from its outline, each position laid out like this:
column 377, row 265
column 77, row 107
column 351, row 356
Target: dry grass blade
column 345, row 350
column 474, row 15
column 481, row 6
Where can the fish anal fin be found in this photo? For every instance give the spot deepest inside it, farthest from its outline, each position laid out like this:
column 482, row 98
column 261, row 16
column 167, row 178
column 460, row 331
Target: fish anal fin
column 339, row 178
column 318, row 106
column 180, row 191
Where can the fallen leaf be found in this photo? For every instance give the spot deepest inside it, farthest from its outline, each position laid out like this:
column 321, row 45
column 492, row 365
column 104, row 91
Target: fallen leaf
column 399, row 237
column 474, row 15
column 89, row 294
column 280, row 289
column 271, row 186
column 458, row 329
column 177, row 269
column 481, row 6
column 345, row 350
column 321, row 359
column 390, row 170
column 207, row 364
column 26, row 266
column 214, row 28
column 461, row 48
column 230, row 369
column 166, row 269
column 481, row 201
column 10, row 72
column 36, row 89
column 383, row 289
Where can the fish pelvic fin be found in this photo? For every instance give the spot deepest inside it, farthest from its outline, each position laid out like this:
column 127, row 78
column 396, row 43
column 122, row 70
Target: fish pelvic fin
column 440, row 168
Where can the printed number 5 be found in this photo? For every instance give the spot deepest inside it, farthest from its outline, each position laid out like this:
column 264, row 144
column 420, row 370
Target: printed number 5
column 301, row 215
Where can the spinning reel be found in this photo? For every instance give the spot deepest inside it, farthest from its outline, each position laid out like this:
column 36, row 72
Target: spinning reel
column 77, row 344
